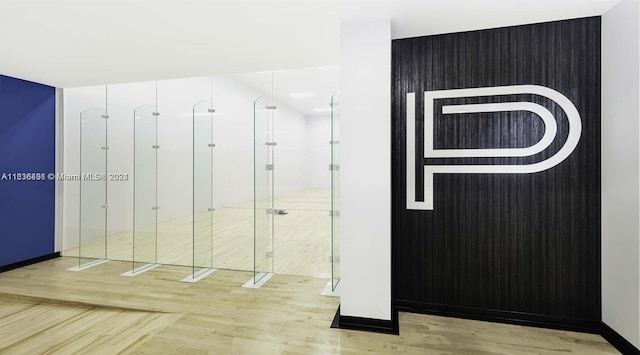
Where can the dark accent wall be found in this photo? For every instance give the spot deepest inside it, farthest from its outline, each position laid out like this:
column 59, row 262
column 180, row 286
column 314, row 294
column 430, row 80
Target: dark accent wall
column 27, row 145
column 513, row 247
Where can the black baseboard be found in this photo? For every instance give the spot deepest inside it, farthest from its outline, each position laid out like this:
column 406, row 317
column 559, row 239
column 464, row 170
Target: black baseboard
column 367, row 324
column 620, row 343
column 335, row 324
column 498, row 316
column 29, row 262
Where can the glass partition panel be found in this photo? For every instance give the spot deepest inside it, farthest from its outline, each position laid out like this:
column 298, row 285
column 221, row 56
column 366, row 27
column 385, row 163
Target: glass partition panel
column 263, row 189
column 302, row 198
column 175, row 99
column 335, row 190
column 146, row 147
column 93, row 185
column 203, row 211
column 233, row 180
column 123, row 99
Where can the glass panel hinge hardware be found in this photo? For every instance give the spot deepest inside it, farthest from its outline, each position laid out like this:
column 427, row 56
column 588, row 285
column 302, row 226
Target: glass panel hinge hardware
column 270, row 143
column 211, row 209
column 211, row 110
column 334, row 213
column 104, row 206
column 156, row 113
column 333, row 167
column 105, row 116
column 155, row 146
column 211, row 145
column 270, row 107
column 269, row 166
column 155, row 208
column 105, row 148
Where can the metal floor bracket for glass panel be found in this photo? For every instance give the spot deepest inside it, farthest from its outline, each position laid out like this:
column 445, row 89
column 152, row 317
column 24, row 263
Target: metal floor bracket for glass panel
column 199, row 275
column 140, row 270
column 88, row 265
column 258, row 280
column 331, row 290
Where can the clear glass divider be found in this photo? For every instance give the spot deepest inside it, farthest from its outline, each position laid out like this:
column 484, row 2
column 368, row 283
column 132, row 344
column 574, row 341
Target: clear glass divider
column 203, row 198
column 335, row 190
column 263, row 190
column 92, row 241
column 145, row 233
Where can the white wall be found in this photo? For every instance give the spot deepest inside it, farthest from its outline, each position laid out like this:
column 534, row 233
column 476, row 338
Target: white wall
column 233, row 137
column 290, row 150
column 318, row 157
column 620, row 170
column 365, row 139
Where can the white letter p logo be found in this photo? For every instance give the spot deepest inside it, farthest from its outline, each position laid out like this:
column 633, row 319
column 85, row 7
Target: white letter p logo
column 575, row 130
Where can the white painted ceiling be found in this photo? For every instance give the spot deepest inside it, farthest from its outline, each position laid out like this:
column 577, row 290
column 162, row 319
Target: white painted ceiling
column 412, row 18
column 68, row 43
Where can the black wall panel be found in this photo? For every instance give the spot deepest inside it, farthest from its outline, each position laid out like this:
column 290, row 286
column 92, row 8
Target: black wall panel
column 509, row 246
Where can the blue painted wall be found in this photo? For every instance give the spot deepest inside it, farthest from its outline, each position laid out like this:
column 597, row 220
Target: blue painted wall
column 27, row 145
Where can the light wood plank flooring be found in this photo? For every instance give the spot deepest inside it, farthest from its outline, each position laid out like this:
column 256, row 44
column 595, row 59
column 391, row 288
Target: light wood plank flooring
column 301, row 243
column 45, row 309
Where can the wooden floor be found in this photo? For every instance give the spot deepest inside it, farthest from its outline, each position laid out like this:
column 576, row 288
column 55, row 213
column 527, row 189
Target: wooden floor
column 46, row 309
column 301, row 243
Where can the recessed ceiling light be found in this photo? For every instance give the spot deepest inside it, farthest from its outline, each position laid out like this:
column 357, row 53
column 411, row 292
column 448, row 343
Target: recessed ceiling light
column 300, row 95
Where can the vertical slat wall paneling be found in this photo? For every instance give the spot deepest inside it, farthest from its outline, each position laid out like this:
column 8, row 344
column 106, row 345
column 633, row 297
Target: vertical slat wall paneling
column 513, row 247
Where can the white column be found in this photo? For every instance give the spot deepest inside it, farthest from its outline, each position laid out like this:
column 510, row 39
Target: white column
column 365, row 168
column 621, row 170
